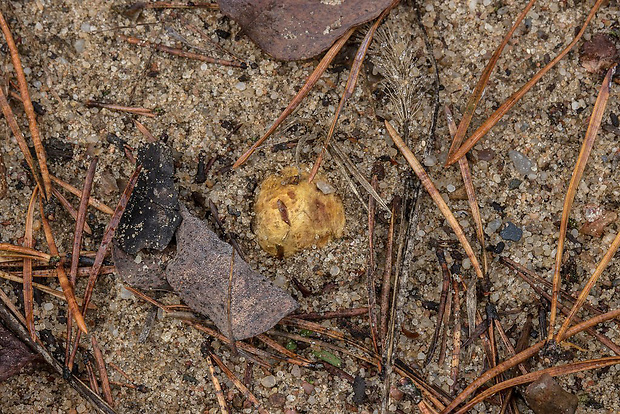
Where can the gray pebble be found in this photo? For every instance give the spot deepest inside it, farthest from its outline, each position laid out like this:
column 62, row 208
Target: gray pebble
column 522, row 163
column 511, row 232
column 268, row 381
column 493, row 226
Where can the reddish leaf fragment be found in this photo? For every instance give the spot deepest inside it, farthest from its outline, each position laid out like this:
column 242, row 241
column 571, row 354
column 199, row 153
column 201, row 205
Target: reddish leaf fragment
column 299, row 29
column 598, row 53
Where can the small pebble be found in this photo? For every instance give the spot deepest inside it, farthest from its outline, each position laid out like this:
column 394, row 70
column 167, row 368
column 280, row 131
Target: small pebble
column 334, row 270
column 268, row 382
column 241, row 86
column 450, row 188
column 522, row 164
column 48, row 306
column 296, row 371
column 277, row 399
column 486, row 154
column 514, row 184
column 493, row 226
column 79, row 45
column 125, row 294
column 308, row 388
column 511, row 232
column 430, row 161
column 325, row 187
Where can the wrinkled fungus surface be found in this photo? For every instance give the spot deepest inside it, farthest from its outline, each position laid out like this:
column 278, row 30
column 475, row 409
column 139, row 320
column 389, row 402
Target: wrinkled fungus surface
column 292, row 214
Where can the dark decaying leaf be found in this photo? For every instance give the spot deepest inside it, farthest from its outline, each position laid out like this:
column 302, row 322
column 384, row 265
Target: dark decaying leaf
column 200, row 275
column 144, row 271
column 545, row 396
column 152, row 214
column 14, row 354
column 299, row 29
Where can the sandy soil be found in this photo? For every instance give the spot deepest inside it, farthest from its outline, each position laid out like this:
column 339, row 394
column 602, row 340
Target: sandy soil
column 71, row 55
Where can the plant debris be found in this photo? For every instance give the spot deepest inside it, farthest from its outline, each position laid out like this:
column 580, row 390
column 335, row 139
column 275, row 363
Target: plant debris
column 152, row 215
column 200, row 275
column 14, row 354
column 299, row 29
column 292, row 214
column 598, row 53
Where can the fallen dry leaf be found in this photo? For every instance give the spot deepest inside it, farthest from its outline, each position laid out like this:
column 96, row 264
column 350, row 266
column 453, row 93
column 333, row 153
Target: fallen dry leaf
column 14, row 354
column 299, row 29
column 199, row 274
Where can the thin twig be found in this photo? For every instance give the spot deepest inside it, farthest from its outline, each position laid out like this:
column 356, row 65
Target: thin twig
column 445, row 290
column 178, row 52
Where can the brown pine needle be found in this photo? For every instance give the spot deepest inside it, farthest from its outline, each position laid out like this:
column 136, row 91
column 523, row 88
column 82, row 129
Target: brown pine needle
column 178, row 52
column 533, row 376
column 72, row 211
column 27, row 268
column 432, row 191
column 350, row 86
column 303, row 92
column 19, row 137
column 65, row 284
column 120, row 108
column 174, row 5
column 582, row 326
column 77, row 234
column 219, row 394
column 584, row 154
column 370, row 271
column 102, row 251
column 11, row 250
column 510, row 102
column 42, row 288
column 233, row 378
column 145, row 131
column 103, row 373
column 586, row 290
column 30, row 114
column 93, row 202
column 456, row 337
column 81, row 219
column 469, row 188
column 472, row 103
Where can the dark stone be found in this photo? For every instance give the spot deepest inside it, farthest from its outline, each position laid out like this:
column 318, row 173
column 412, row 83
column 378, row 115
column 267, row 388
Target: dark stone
column 511, row 232
column 359, row 390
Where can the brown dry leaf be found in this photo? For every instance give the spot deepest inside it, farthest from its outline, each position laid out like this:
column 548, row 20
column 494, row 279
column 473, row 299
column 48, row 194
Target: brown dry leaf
column 14, row 354
column 299, row 29
column 199, row 274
